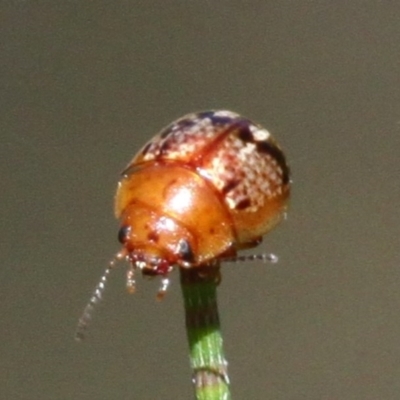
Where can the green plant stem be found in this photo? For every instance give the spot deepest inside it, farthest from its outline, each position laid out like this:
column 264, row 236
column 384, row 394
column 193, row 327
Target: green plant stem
column 210, row 376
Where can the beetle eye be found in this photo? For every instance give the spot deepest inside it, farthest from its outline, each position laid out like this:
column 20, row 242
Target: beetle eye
column 123, row 234
column 185, row 251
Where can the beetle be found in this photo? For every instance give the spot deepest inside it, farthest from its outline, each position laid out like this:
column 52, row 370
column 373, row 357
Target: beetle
column 205, row 187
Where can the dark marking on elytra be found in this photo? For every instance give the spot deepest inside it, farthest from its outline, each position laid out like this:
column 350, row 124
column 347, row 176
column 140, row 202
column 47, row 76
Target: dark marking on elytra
column 217, row 119
column 221, row 120
column 245, row 134
column 243, row 204
column 166, row 132
column 146, row 148
column 165, row 147
column 230, row 185
column 186, row 123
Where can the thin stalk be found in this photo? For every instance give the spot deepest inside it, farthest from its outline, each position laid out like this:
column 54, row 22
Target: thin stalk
column 210, row 374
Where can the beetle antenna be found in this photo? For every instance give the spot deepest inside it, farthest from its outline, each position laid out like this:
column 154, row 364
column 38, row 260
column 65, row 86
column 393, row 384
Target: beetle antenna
column 96, row 297
column 265, row 257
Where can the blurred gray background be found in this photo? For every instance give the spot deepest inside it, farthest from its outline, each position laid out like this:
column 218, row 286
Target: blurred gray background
column 85, row 84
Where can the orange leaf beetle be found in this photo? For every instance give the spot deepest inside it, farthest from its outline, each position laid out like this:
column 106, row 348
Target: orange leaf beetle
column 206, row 186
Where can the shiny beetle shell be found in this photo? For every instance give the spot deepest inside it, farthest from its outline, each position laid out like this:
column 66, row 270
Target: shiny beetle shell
column 207, row 185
